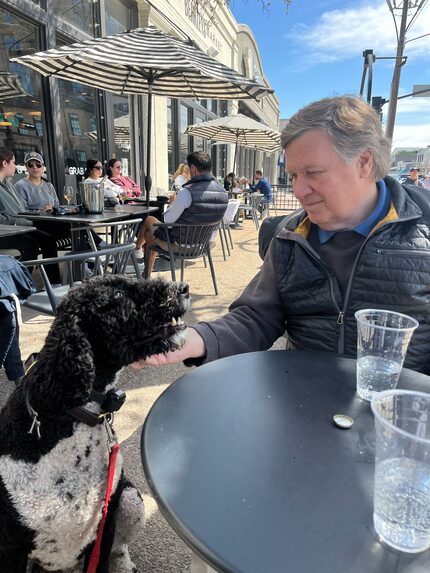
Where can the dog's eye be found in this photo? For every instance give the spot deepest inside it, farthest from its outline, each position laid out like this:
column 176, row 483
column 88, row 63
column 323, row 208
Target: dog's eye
column 118, row 294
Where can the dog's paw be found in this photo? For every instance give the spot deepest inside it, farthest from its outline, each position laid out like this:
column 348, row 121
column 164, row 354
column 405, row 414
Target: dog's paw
column 120, row 561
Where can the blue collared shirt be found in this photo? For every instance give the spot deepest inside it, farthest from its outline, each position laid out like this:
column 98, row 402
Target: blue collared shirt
column 364, row 228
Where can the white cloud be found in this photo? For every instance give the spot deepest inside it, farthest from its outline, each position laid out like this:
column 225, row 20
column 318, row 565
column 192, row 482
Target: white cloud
column 342, row 34
column 411, row 135
column 418, row 105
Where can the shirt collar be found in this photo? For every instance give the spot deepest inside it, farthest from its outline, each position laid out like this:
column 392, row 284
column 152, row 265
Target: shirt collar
column 367, row 225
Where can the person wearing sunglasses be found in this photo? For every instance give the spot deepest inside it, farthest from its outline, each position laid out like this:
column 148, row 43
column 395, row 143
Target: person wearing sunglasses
column 94, row 174
column 114, row 172
column 11, row 204
column 35, row 191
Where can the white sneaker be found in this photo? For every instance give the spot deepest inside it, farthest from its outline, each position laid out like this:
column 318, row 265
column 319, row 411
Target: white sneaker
column 139, row 253
column 103, row 244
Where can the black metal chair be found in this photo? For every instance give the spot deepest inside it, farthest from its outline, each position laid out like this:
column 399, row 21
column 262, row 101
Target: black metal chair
column 252, row 207
column 47, row 300
column 115, row 233
column 193, row 242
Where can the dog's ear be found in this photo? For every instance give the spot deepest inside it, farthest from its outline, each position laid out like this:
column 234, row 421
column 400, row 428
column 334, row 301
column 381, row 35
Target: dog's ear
column 64, row 374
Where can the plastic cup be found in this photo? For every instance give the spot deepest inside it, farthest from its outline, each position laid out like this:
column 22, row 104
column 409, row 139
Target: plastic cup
column 383, row 337
column 401, row 512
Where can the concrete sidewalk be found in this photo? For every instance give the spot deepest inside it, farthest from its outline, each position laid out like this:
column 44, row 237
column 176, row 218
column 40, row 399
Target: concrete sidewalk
column 159, row 549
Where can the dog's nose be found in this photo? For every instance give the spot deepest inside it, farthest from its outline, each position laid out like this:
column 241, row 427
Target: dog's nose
column 183, row 289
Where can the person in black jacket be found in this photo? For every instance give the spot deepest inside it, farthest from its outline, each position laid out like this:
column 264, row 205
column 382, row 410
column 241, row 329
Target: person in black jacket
column 361, row 240
column 200, row 200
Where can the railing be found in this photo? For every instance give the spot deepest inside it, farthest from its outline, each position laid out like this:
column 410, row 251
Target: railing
column 285, row 200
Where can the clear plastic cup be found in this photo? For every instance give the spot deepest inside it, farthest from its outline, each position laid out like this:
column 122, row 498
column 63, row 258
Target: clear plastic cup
column 401, row 513
column 383, row 337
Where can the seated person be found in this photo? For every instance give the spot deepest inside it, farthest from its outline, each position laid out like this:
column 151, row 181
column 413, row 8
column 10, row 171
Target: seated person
column 181, row 176
column 231, row 182
column 262, row 186
column 35, row 191
column 29, row 244
column 114, row 172
column 360, row 241
column 200, row 200
column 93, row 174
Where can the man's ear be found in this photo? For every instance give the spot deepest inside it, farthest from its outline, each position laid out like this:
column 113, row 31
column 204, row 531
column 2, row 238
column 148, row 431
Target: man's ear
column 365, row 163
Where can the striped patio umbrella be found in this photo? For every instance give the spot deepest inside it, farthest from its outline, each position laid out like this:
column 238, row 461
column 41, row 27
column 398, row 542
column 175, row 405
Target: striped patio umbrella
column 145, row 60
column 240, row 130
column 10, row 86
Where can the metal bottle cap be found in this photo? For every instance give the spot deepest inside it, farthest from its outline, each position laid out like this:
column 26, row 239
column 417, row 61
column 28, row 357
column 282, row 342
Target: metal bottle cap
column 343, row 421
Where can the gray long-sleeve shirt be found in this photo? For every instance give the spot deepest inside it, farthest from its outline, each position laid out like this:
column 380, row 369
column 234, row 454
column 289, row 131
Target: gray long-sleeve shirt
column 11, row 205
column 36, row 196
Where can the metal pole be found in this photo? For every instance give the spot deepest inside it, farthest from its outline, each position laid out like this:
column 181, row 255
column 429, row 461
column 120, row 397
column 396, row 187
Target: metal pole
column 148, row 179
column 391, row 115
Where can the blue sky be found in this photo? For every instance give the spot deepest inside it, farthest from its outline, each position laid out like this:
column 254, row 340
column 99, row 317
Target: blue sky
column 315, row 51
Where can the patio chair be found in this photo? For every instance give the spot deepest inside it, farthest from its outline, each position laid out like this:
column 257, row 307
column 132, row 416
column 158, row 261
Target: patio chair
column 115, row 233
column 193, row 242
column 227, row 221
column 252, row 207
column 47, row 300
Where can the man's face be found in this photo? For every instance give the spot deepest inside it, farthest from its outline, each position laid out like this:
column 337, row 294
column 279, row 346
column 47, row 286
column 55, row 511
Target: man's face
column 413, row 174
column 258, row 176
column 336, row 195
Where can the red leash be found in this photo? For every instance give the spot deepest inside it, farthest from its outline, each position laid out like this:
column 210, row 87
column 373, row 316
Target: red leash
column 95, row 554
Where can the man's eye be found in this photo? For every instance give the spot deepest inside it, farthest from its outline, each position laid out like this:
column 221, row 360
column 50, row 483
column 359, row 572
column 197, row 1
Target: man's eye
column 313, row 173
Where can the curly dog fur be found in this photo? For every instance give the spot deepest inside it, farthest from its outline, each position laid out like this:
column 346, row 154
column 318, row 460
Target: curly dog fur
column 52, row 488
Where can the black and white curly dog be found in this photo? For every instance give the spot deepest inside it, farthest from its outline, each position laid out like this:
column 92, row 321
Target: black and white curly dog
column 52, row 487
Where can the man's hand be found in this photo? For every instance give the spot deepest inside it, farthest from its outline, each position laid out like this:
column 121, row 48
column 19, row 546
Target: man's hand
column 194, row 347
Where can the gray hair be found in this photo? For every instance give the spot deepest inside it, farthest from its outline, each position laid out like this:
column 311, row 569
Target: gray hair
column 352, row 125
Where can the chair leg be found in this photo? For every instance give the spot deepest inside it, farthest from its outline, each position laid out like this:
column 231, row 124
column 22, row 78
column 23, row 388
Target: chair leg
column 223, row 230
column 182, row 269
column 222, row 244
column 172, row 268
column 229, row 236
column 212, row 270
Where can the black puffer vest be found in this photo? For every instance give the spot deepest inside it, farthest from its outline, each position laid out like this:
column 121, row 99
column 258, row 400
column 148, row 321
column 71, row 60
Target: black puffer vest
column 391, row 271
column 208, row 202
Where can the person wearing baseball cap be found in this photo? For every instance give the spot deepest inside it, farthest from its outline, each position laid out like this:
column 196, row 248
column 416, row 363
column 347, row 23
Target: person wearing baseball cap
column 412, row 178
column 34, row 190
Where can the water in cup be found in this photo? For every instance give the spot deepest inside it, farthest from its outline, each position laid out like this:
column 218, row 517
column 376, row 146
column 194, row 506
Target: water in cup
column 402, row 504
column 375, row 374
column 401, row 510
column 383, row 337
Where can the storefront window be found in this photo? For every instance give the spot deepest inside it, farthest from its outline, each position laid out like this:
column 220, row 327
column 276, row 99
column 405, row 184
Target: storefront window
column 77, row 13
column 198, row 142
column 122, row 132
column 183, row 138
column 78, row 126
column 119, row 17
column 21, row 116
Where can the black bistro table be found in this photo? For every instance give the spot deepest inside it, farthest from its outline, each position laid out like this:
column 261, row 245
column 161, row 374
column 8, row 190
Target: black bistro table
column 247, row 466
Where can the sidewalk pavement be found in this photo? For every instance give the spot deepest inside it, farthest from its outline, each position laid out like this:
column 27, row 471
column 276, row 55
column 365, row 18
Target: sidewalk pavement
column 159, row 549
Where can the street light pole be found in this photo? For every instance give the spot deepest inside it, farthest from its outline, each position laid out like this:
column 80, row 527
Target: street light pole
column 391, row 114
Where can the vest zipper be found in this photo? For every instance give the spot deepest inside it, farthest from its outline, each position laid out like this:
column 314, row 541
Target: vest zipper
column 340, row 318
column 341, row 343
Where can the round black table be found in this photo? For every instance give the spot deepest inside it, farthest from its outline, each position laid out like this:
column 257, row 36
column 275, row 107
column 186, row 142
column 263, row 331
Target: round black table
column 247, row 466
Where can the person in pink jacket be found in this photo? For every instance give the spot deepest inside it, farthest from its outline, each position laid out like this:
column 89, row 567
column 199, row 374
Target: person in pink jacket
column 114, row 171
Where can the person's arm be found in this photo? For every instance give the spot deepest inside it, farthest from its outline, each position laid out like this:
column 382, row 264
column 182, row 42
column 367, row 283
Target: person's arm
column 255, row 188
column 256, row 319
column 182, row 201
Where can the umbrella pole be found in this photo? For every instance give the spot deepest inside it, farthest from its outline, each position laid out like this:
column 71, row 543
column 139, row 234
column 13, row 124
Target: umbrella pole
column 253, row 170
column 235, row 157
column 148, row 179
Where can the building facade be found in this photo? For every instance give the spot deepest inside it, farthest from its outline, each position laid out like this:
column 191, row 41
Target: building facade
column 70, row 123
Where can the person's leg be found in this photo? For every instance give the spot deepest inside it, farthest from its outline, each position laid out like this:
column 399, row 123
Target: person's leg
column 10, row 354
column 25, row 244
column 147, row 226
column 48, row 247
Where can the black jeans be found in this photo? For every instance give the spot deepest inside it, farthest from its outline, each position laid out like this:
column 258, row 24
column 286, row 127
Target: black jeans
column 10, row 354
column 30, row 244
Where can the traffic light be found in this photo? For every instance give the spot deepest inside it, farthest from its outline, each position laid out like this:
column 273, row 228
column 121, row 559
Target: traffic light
column 377, row 103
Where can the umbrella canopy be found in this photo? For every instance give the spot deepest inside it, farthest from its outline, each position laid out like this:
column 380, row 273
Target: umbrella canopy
column 238, row 129
column 145, row 60
column 10, row 86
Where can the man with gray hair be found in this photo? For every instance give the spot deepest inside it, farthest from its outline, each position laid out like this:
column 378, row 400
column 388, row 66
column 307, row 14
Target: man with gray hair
column 360, row 240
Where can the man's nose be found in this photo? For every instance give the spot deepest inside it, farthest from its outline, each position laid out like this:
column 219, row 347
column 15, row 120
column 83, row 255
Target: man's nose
column 301, row 187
